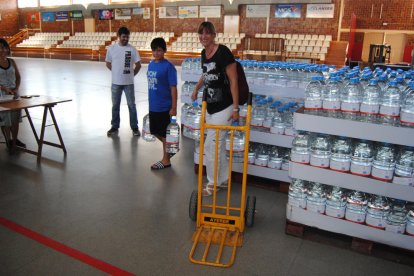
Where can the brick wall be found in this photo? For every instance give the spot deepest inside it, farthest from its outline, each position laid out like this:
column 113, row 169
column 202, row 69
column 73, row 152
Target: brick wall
column 9, row 24
column 396, row 13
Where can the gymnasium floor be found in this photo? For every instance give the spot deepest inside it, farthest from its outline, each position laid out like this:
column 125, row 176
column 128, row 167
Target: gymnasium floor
column 104, row 201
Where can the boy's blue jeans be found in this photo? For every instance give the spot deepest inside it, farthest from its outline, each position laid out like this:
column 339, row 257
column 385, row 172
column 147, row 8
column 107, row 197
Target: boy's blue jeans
column 116, row 102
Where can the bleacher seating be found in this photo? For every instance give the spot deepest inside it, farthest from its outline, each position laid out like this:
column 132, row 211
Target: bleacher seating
column 88, row 40
column 142, row 40
column 189, row 42
column 43, row 40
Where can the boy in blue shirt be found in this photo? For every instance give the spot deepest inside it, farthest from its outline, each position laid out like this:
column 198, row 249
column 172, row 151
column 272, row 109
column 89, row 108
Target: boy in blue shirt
column 162, row 96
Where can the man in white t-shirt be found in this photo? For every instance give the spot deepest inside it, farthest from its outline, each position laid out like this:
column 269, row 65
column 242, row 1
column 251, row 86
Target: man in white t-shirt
column 124, row 62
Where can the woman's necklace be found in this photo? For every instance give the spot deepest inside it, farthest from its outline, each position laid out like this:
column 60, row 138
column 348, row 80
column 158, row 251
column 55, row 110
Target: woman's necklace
column 210, row 53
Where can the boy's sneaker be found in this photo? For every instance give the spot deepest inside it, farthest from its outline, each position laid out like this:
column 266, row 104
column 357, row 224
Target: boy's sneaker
column 135, row 132
column 112, row 131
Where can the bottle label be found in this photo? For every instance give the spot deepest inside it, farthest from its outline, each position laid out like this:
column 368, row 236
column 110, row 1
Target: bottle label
column 355, row 217
column 373, row 221
column 301, row 203
column 277, row 130
column 171, row 139
column 408, row 181
column 285, row 166
column 236, row 147
column 319, row 162
column 350, row 107
column 274, row 164
column 342, row 166
column 260, row 162
column 313, row 104
column 363, row 170
column 317, row 208
column 382, row 174
column 251, row 159
column 300, row 158
column 331, row 105
column 407, row 117
column 369, row 108
column 390, row 110
column 335, row 212
column 289, row 131
column 255, row 122
column 399, row 229
column 410, row 228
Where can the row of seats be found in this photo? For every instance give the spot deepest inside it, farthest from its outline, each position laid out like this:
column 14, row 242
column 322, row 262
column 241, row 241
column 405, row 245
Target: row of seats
column 296, row 36
column 298, row 42
column 60, row 34
column 307, row 49
column 96, row 34
column 45, row 40
column 151, row 34
column 219, row 35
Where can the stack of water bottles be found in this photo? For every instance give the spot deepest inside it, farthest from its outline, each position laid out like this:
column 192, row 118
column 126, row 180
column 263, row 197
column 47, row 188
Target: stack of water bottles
column 382, row 161
column 376, row 211
column 272, row 116
column 383, row 97
column 187, row 90
column 192, row 66
column 191, row 122
column 268, row 156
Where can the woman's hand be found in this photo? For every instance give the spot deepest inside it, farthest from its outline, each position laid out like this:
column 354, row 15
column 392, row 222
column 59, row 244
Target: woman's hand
column 234, row 116
column 194, row 95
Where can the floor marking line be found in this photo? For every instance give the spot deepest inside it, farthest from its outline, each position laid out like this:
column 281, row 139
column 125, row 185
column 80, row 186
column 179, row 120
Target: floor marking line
column 60, row 247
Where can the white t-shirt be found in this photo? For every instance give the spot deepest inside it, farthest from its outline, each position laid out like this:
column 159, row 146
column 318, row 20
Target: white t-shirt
column 122, row 59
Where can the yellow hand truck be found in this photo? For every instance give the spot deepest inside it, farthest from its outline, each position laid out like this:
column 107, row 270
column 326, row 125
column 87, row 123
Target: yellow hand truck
column 221, row 226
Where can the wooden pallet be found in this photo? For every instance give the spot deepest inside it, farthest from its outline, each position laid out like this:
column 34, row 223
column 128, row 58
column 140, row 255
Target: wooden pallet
column 343, row 241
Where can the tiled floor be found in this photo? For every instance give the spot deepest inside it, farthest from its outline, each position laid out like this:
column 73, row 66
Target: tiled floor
column 103, row 199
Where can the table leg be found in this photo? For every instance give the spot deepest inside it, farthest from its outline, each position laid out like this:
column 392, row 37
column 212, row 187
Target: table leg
column 62, row 145
column 42, row 135
column 32, row 125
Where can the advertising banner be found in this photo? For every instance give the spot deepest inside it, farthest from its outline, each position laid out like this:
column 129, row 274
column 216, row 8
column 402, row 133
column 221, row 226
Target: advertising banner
column 106, row 14
column 48, row 16
column 257, row 10
column 188, row 12
column 76, row 15
column 147, row 13
column 288, row 11
column 62, row 16
column 168, row 12
column 122, row 14
column 137, row 11
column 33, row 17
column 210, row 11
column 320, row 10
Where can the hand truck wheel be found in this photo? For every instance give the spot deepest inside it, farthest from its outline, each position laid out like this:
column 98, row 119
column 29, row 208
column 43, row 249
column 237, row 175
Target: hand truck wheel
column 192, row 208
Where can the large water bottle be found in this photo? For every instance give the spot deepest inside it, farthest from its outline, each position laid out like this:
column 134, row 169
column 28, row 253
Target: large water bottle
column 397, row 217
column 184, row 109
column 297, row 193
column 288, row 121
column 146, row 132
column 351, row 96
column 251, row 155
column 172, row 140
column 383, row 81
column 258, row 115
column 356, row 207
column 371, row 98
column 278, row 125
column 262, row 156
column 320, row 151
column 313, row 93
column 271, row 110
column 285, row 153
column 316, row 198
column 390, row 101
column 192, row 127
column 407, row 108
column 341, row 154
column 404, row 167
column 361, row 159
column 377, row 211
column 384, row 162
column 242, row 115
column 365, row 79
column 410, row 223
column 331, row 99
column 300, row 152
column 336, row 202
column 275, row 159
column 238, row 146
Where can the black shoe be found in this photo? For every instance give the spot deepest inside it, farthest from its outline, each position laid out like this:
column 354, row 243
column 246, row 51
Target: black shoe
column 19, row 143
column 135, row 132
column 112, row 131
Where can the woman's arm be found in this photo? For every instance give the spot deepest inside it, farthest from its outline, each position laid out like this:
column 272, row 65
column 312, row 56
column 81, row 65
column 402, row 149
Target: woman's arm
column 231, row 72
column 196, row 88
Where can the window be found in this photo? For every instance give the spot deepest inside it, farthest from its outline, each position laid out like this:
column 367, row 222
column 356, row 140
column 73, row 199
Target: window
column 26, row 3
column 47, row 3
column 87, row 2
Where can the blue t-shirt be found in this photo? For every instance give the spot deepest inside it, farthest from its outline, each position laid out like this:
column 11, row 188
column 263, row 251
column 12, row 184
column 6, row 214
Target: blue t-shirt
column 161, row 76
